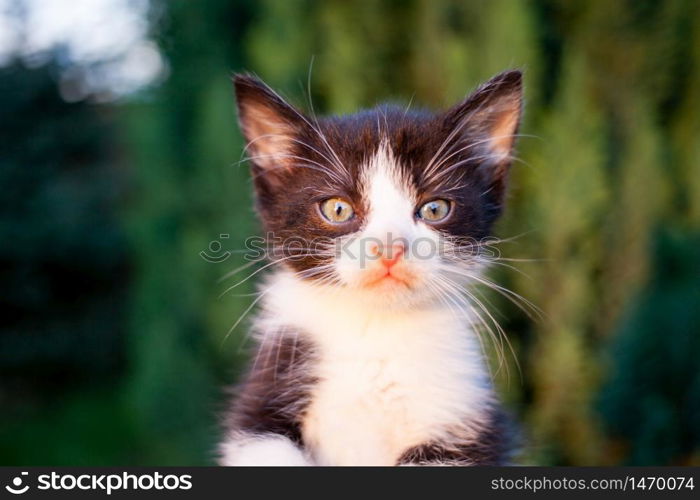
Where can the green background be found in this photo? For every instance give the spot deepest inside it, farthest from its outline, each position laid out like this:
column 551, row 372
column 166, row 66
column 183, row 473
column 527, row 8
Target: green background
column 114, row 340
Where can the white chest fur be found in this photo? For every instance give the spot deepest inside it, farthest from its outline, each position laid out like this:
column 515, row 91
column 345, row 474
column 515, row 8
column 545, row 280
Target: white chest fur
column 387, row 380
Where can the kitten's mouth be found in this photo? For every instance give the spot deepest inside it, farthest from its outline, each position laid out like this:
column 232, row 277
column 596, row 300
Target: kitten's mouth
column 387, row 277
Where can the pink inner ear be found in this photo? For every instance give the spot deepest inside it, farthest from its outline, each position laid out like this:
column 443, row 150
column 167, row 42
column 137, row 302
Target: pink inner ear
column 270, row 136
column 502, row 132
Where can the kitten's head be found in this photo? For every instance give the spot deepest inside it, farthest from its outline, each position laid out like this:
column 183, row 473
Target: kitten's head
column 388, row 204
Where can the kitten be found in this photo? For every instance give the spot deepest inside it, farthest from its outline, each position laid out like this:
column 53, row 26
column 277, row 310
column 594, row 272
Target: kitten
column 367, row 350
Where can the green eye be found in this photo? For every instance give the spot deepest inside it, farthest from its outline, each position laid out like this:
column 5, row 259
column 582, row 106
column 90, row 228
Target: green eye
column 435, row 210
column 337, row 210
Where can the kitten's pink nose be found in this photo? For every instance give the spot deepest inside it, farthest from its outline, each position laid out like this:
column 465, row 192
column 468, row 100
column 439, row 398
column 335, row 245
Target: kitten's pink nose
column 391, row 255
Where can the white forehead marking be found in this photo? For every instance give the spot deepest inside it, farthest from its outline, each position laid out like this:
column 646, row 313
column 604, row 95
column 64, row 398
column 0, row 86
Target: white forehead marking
column 390, row 195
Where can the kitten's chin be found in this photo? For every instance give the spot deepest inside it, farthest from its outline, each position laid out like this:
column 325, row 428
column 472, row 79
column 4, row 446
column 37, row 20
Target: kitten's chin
column 388, row 282
column 395, row 296
column 386, row 292
column 377, row 287
column 392, row 291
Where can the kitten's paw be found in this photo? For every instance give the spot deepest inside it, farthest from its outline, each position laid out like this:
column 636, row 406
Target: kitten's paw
column 264, row 449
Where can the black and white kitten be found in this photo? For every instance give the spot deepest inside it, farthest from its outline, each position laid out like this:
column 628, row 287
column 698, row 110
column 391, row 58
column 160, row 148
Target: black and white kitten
column 368, row 354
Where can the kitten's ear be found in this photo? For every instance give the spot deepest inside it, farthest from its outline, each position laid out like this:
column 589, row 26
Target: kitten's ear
column 489, row 119
column 268, row 123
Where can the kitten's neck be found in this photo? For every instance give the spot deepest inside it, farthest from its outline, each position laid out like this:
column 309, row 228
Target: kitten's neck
column 336, row 317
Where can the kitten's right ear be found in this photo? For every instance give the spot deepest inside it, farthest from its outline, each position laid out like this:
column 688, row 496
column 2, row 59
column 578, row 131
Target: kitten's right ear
column 268, row 123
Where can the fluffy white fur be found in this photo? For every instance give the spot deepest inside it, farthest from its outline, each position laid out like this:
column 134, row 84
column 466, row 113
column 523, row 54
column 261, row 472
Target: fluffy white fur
column 265, row 450
column 389, row 379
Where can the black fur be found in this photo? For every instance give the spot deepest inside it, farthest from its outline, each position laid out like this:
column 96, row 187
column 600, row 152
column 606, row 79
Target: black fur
column 275, row 391
column 494, row 445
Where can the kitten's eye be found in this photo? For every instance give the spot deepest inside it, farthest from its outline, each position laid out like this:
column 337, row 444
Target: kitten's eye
column 337, row 210
column 435, row 210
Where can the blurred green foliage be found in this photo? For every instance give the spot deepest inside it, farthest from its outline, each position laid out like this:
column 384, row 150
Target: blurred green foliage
column 115, row 338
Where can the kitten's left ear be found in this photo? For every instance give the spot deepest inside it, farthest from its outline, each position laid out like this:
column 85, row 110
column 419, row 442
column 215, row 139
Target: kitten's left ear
column 489, row 119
